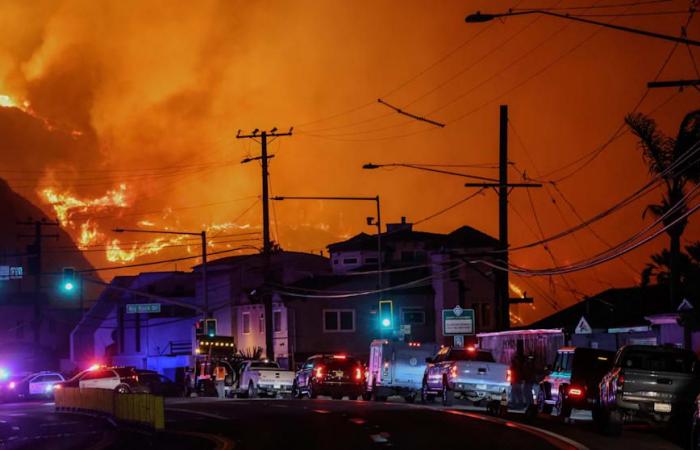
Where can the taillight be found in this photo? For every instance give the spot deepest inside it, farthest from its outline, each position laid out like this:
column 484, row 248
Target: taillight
column 575, row 392
column 358, row 373
column 319, row 372
column 620, row 381
column 509, row 375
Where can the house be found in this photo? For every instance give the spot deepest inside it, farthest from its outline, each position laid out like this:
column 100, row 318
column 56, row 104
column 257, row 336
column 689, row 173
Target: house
column 620, row 316
column 109, row 333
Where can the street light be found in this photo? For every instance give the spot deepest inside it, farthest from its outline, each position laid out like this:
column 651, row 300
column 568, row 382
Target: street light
column 480, row 17
column 203, row 235
column 369, row 222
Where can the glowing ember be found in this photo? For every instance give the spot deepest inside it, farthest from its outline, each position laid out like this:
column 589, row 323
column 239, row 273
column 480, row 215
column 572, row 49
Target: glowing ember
column 515, row 319
column 516, row 290
column 65, row 204
column 146, row 223
column 88, row 234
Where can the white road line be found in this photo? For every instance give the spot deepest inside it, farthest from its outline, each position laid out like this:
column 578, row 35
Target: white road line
column 199, row 413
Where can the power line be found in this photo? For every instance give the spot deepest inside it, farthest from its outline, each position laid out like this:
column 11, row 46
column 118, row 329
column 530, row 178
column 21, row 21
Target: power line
column 595, row 6
column 448, row 208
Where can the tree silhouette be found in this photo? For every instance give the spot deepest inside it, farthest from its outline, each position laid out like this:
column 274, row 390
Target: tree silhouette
column 661, row 153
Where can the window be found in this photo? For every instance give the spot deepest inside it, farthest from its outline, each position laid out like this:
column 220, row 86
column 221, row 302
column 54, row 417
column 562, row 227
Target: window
column 412, row 316
column 350, row 261
column 277, row 321
column 246, row 323
column 261, row 323
column 339, row 320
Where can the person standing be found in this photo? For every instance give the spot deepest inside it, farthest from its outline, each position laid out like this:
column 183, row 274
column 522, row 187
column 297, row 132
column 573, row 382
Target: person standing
column 220, row 380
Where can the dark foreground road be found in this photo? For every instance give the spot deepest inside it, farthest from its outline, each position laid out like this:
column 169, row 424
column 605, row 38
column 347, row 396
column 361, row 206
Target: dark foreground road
column 352, row 425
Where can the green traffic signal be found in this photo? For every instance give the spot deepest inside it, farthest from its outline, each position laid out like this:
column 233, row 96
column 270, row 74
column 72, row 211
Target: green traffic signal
column 386, row 314
column 69, row 282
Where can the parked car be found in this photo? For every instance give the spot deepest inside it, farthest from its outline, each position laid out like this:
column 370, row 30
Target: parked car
column 334, row 375
column 466, row 373
column 397, row 368
column 263, row 378
column 158, row 384
column 573, row 381
column 124, row 380
column 647, row 383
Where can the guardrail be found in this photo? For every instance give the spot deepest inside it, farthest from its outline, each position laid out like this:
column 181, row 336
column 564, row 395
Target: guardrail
column 141, row 409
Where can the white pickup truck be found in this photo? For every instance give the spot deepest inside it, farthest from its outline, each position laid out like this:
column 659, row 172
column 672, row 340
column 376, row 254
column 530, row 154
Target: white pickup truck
column 469, row 374
column 261, row 378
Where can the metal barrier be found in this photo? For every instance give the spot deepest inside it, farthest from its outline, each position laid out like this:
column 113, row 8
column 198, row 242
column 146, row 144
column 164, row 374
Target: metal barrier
column 141, row 409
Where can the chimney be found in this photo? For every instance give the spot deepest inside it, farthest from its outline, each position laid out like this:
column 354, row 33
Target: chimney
column 392, row 227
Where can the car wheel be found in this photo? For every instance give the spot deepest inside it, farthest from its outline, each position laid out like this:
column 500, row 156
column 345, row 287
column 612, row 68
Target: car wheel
column 613, row 423
column 295, row 390
column 410, row 398
column 563, row 407
column 337, row 397
column 366, row 396
column 312, row 391
column 252, row 392
column 122, row 389
column 448, row 395
column 353, row 397
column 542, row 406
column 425, row 395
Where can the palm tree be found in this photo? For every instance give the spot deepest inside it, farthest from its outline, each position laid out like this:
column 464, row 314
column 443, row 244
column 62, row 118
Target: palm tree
column 660, row 153
column 688, row 268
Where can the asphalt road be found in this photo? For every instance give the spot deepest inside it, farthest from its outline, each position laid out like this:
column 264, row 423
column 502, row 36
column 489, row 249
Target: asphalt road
column 329, row 424
column 35, row 425
column 353, row 425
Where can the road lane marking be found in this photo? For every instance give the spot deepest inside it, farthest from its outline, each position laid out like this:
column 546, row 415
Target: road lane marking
column 200, row 413
column 559, row 441
column 321, row 411
column 358, row 421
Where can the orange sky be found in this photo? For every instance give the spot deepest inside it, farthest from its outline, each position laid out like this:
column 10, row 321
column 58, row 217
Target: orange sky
column 151, row 85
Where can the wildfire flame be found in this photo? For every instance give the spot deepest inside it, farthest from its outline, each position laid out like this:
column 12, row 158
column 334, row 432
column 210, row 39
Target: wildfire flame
column 7, row 102
column 88, row 234
column 115, row 253
column 65, row 204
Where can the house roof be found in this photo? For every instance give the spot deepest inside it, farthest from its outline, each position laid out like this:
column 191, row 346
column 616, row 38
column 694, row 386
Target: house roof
column 617, row 307
column 464, row 237
column 257, row 259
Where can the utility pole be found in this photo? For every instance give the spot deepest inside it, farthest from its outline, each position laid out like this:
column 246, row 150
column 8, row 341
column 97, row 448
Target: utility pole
column 262, row 138
column 35, row 267
column 503, row 188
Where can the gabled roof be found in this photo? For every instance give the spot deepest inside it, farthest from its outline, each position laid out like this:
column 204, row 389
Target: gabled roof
column 618, row 307
column 464, row 237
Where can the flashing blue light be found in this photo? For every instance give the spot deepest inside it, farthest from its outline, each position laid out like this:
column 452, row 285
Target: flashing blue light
column 68, row 286
column 386, row 322
column 4, row 374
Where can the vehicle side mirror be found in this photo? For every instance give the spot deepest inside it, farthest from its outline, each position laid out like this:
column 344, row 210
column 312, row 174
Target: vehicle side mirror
column 429, row 360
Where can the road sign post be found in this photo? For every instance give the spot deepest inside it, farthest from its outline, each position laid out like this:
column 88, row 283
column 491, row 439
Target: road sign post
column 458, row 321
column 458, row 341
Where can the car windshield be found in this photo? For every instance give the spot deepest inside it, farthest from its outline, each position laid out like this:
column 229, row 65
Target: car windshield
column 264, row 365
column 658, row 361
column 470, row 355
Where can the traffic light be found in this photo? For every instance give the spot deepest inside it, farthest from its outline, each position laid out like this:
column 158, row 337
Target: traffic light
column 68, row 283
column 199, row 328
column 210, row 326
column 386, row 314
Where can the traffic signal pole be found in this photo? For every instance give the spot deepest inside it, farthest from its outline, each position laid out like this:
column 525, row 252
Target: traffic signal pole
column 36, row 266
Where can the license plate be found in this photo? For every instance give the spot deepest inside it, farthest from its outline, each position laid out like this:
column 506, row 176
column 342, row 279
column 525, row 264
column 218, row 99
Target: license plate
column 481, row 386
column 662, row 407
column 338, row 373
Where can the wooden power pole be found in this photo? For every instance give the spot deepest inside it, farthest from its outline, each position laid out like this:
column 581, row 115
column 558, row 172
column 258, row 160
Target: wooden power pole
column 262, row 138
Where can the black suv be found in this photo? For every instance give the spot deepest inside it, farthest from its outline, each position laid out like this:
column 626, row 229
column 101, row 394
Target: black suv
column 333, row 375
